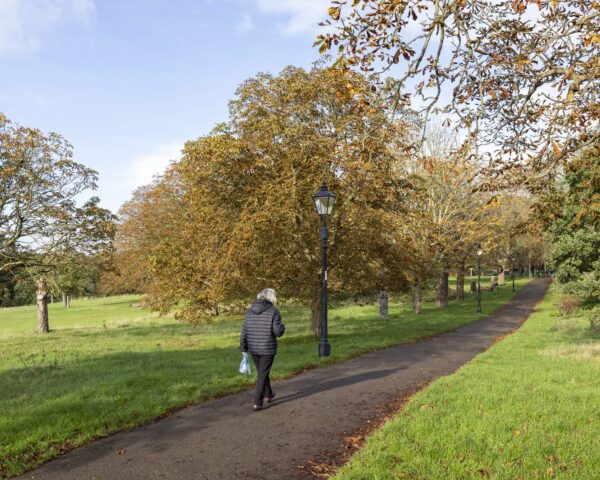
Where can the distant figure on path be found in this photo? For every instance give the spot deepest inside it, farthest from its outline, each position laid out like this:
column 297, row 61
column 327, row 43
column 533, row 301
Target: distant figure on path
column 258, row 337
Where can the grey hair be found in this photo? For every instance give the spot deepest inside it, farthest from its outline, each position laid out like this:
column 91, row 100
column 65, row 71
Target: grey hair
column 268, row 294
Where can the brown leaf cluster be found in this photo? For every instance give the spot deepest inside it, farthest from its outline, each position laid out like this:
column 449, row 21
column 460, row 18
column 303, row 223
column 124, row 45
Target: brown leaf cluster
column 521, row 78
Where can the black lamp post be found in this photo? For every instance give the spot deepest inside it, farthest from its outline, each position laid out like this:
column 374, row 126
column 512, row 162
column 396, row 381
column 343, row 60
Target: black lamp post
column 479, row 252
column 324, row 201
column 512, row 271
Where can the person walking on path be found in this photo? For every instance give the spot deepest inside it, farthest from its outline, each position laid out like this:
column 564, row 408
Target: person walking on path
column 262, row 325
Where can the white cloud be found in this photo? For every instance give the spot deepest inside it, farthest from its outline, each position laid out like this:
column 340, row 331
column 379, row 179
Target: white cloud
column 142, row 169
column 246, row 24
column 303, row 15
column 25, row 23
column 116, row 185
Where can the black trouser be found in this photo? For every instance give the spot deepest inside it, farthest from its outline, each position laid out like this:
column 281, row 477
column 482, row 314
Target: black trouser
column 263, row 383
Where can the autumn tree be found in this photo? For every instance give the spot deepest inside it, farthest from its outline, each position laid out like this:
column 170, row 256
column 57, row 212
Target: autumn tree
column 248, row 219
column 519, row 78
column 148, row 218
column 445, row 218
column 417, row 243
column 40, row 221
column 462, row 218
column 516, row 215
column 522, row 234
column 450, row 213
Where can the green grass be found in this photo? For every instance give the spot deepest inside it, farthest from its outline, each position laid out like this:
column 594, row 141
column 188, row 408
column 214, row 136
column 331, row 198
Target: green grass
column 108, row 365
column 528, row 408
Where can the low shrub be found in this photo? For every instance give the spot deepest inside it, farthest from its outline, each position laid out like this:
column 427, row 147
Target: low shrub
column 568, row 305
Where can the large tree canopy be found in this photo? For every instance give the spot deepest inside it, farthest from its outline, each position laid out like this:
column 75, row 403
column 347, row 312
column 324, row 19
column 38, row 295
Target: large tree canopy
column 248, row 220
column 520, row 77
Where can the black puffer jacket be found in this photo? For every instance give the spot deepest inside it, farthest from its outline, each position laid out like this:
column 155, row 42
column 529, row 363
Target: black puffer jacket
column 261, row 326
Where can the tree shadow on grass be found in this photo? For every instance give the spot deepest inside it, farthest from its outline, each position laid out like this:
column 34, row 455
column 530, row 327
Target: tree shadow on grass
column 45, row 403
column 81, row 303
column 72, row 402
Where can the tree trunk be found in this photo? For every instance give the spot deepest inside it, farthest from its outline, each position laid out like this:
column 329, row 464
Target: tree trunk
column 42, row 305
column 417, row 296
column 383, row 303
column 473, row 286
column 442, row 293
column 316, row 310
column 501, row 275
column 529, row 266
column 68, row 301
column 460, row 282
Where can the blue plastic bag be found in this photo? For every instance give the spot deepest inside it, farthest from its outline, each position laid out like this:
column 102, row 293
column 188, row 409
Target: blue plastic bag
column 245, row 367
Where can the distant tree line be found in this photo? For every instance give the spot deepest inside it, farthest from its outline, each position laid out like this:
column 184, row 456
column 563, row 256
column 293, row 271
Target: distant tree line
column 77, row 276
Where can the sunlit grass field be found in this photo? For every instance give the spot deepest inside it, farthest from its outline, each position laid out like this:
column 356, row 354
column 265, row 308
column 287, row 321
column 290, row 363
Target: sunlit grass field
column 528, row 408
column 108, row 364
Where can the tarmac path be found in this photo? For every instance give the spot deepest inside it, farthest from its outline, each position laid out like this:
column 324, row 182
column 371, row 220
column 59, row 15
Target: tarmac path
column 225, row 439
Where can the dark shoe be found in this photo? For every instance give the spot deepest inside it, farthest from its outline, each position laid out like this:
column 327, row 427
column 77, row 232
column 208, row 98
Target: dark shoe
column 269, row 399
column 256, row 408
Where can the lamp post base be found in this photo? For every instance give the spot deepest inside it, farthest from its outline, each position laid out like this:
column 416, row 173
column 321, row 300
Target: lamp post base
column 324, row 349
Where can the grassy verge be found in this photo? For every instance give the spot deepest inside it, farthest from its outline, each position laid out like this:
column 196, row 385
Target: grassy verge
column 528, row 408
column 108, row 365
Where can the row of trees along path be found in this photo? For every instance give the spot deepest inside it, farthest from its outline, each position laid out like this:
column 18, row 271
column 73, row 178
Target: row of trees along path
column 236, row 214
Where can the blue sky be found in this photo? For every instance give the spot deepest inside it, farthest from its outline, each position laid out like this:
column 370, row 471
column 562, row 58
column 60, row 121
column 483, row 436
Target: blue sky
column 128, row 81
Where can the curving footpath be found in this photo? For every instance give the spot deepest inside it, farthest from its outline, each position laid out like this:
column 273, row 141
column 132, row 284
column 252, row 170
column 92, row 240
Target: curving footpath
column 224, row 439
